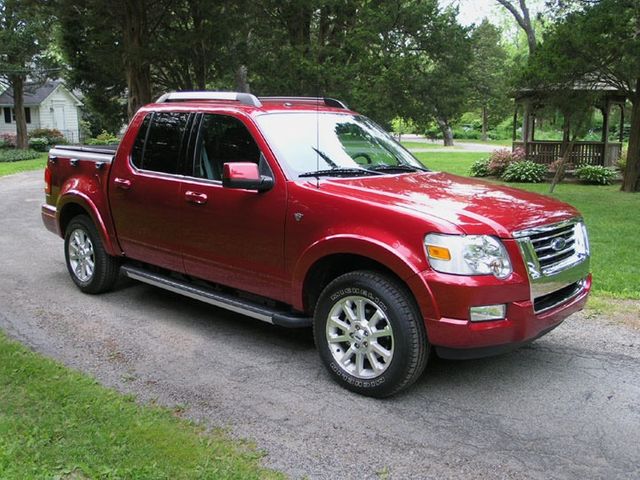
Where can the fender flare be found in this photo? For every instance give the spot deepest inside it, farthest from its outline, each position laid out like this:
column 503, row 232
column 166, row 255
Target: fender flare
column 404, row 268
column 79, row 198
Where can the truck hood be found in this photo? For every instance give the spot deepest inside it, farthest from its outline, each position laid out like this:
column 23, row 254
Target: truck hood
column 474, row 206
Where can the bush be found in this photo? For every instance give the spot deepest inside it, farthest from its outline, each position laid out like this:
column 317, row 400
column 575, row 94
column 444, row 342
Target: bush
column 622, row 162
column 17, row 155
column 596, row 174
column 8, row 140
column 501, row 158
column 480, row 168
column 39, row 144
column 52, row 135
column 524, row 171
column 105, row 138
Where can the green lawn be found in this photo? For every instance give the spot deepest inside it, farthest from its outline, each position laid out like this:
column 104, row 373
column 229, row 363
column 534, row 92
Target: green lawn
column 413, row 145
column 7, row 168
column 611, row 217
column 56, row 423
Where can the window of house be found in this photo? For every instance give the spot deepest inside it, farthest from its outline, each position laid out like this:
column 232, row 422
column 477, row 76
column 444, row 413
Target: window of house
column 10, row 114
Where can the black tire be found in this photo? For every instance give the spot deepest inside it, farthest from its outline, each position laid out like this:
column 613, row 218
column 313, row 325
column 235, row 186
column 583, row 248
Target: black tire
column 105, row 267
column 408, row 343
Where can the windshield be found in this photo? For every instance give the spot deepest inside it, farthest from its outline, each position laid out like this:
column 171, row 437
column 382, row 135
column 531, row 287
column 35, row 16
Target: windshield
column 314, row 144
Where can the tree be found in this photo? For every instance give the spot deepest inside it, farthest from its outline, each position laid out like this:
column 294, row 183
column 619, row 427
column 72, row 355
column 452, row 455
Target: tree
column 598, row 45
column 24, row 31
column 488, row 74
column 520, row 12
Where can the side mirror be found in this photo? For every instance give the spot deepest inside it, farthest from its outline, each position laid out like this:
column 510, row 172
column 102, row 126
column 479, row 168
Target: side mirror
column 245, row 175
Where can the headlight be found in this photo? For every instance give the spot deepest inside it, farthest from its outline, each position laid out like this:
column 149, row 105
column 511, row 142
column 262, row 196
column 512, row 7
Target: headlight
column 467, row 255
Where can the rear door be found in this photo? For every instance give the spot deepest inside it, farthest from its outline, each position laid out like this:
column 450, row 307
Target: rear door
column 230, row 236
column 145, row 191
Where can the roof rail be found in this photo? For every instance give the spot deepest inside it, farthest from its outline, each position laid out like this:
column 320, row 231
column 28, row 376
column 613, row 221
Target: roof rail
column 244, row 98
column 329, row 102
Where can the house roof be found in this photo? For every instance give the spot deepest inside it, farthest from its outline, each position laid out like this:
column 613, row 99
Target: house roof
column 35, row 94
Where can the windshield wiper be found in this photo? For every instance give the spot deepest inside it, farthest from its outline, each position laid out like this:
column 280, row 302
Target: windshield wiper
column 396, row 168
column 339, row 172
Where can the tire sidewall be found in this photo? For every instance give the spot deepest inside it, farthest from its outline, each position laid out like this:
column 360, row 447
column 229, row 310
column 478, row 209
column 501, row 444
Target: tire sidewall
column 394, row 375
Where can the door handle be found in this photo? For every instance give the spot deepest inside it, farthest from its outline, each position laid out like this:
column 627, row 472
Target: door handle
column 195, row 197
column 122, row 183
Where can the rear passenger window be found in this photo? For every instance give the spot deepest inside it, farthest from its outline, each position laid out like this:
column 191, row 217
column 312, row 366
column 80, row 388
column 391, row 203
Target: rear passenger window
column 138, row 145
column 161, row 150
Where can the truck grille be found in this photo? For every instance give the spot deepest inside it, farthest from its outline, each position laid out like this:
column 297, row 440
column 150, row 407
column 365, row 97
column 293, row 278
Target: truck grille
column 554, row 246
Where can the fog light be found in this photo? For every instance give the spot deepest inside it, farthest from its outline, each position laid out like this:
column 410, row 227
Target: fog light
column 487, row 312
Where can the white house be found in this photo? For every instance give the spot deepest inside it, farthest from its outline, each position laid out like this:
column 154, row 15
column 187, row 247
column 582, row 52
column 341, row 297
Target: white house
column 48, row 105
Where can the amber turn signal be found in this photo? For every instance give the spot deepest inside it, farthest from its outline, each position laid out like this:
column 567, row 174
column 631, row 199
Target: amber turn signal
column 439, row 253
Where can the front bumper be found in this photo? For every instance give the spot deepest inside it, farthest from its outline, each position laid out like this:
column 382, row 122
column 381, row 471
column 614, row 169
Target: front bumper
column 445, row 303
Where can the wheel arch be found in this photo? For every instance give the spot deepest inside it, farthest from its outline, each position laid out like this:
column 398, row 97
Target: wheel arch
column 327, row 260
column 73, row 204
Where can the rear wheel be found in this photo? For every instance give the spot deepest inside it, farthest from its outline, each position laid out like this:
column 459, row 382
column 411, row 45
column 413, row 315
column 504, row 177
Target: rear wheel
column 370, row 334
column 91, row 268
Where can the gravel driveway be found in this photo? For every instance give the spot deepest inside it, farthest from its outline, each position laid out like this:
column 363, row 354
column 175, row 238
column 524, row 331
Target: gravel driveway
column 567, row 406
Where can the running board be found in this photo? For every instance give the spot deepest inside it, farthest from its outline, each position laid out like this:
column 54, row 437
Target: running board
column 218, row 299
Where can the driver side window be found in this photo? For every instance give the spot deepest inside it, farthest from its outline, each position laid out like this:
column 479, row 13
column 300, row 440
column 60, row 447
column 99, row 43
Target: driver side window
column 222, row 139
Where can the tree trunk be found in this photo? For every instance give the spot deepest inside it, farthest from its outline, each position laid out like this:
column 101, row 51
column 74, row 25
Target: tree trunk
column 631, row 181
column 563, row 162
column 137, row 69
column 447, row 133
column 485, row 123
column 242, row 83
column 17, row 83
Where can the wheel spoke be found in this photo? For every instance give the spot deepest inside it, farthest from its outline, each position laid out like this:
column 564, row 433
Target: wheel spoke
column 375, row 364
column 347, row 356
column 339, row 323
column 360, row 309
column 376, row 317
column 359, row 363
column 380, row 350
column 384, row 332
column 339, row 339
column 346, row 308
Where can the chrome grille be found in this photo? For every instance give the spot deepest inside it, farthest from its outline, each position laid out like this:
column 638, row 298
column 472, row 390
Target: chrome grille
column 554, row 246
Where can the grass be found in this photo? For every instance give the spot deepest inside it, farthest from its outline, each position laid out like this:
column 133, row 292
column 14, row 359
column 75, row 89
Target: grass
column 610, row 215
column 413, row 145
column 8, row 168
column 56, row 423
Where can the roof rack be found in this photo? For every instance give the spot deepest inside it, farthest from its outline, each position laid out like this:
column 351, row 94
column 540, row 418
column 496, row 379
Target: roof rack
column 247, row 98
column 329, row 102
column 244, row 98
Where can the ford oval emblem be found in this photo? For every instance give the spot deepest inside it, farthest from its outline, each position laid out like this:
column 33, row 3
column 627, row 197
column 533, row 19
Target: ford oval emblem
column 558, row 244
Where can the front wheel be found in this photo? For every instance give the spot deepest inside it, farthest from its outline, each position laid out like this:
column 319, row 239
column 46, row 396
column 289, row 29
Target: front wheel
column 91, row 268
column 370, row 334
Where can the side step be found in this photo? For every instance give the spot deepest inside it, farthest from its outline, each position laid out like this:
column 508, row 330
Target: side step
column 222, row 300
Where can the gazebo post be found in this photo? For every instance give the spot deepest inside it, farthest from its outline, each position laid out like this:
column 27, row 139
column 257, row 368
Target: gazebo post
column 621, row 124
column 605, row 132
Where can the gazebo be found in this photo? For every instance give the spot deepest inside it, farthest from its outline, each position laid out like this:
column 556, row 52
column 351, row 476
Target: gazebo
column 603, row 152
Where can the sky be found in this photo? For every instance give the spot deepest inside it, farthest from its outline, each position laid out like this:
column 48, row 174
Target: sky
column 473, row 11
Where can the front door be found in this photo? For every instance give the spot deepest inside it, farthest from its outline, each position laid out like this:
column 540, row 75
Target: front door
column 233, row 237
column 144, row 191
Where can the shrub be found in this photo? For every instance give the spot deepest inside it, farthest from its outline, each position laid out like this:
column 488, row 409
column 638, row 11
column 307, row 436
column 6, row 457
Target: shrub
column 501, row 158
column 105, row 138
column 596, row 174
column 525, row 171
column 480, row 168
column 622, row 162
column 39, row 144
column 17, row 155
column 8, row 139
column 52, row 135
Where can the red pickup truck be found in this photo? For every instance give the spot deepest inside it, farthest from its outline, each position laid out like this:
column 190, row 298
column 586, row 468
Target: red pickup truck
column 301, row 212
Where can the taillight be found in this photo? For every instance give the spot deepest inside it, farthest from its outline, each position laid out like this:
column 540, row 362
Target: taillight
column 47, row 181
